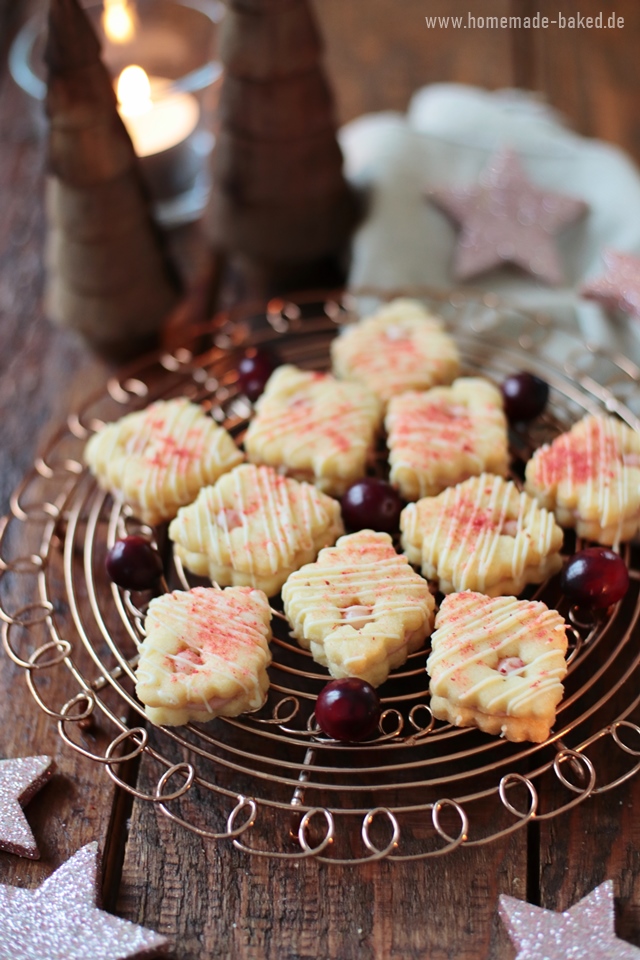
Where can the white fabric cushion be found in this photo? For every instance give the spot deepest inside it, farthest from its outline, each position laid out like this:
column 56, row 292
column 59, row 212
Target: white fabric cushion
column 446, row 137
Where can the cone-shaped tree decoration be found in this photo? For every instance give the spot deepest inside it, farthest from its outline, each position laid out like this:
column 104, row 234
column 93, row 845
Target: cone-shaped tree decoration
column 279, row 196
column 108, row 274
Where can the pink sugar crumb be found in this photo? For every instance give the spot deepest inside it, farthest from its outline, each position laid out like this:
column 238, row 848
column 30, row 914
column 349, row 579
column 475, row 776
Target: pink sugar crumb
column 510, row 665
column 299, row 400
column 466, row 649
column 337, row 439
column 191, row 656
column 228, row 519
column 155, row 423
column 168, row 453
column 467, row 517
column 568, row 456
column 436, row 414
column 214, row 639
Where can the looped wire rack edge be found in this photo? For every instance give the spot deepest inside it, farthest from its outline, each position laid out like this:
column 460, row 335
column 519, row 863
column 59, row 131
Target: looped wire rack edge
column 421, row 788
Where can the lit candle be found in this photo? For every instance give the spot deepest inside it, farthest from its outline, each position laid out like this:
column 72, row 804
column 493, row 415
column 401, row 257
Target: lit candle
column 155, row 122
column 118, row 20
column 160, row 123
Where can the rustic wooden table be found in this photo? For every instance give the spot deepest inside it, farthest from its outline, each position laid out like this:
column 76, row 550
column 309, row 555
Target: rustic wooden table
column 211, row 900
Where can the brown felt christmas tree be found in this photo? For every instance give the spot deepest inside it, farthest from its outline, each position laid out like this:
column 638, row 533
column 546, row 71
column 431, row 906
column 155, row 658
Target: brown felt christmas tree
column 108, row 275
column 279, row 196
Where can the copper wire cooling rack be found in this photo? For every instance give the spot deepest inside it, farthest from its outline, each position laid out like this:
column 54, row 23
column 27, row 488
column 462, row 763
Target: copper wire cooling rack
column 421, row 787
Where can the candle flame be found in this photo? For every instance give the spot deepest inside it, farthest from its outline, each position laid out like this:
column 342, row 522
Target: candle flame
column 134, row 92
column 118, row 20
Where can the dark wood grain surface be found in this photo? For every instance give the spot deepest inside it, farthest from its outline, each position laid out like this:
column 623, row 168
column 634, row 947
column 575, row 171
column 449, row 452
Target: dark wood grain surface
column 210, row 899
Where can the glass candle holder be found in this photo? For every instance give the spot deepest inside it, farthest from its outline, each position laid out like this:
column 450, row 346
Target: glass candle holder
column 168, row 102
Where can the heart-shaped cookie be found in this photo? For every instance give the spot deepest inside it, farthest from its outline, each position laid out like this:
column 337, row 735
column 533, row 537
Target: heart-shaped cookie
column 158, row 458
column 484, row 534
column 205, row 654
column 254, row 527
column 402, row 346
column 497, row 664
column 359, row 608
column 590, row 478
column 443, row 436
column 313, row 427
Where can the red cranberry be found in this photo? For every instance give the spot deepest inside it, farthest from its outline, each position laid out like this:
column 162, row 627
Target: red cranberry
column 134, row 564
column 348, row 709
column 254, row 370
column 372, row 504
column 525, row 396
column 595, row 577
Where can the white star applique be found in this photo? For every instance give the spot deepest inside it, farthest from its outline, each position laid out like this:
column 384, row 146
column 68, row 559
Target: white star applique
column 619, row 285
column 584, row 932
column 505, row 218
column 60, row 920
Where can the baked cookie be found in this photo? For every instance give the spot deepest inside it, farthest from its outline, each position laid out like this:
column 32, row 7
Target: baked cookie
column 157, row 459
column 590, row 478
column 205, row 655
column 312, row 427
column 497, row 664
column 359, row 608
column 483, row 534
column 400, row 347
column 439, row 438
column 254, row 527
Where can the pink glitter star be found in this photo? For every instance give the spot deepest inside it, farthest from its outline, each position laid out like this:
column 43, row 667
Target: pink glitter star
column 584, row 932
column 504, row 218
column 619, row 286
column 20, row 780
column 60, row 920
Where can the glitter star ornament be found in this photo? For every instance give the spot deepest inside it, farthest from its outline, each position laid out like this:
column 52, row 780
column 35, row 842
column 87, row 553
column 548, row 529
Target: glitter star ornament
column 584, row 932
column 504, row 218
column 60, row 920
column 20, row 780
column 619, row 286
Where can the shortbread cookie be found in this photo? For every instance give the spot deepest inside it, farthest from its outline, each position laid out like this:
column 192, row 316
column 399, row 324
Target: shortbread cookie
column 157, row 459
column 205, row 655
column 401, row 347
column 314, row 428
column 254, row 527
column 360, row 608
column 483, row 534
column 590, row 477
column 497, row 664
column 439, row 438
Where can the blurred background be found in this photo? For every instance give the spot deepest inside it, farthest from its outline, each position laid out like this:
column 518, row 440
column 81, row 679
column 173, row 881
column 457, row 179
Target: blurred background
column 380, row 51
